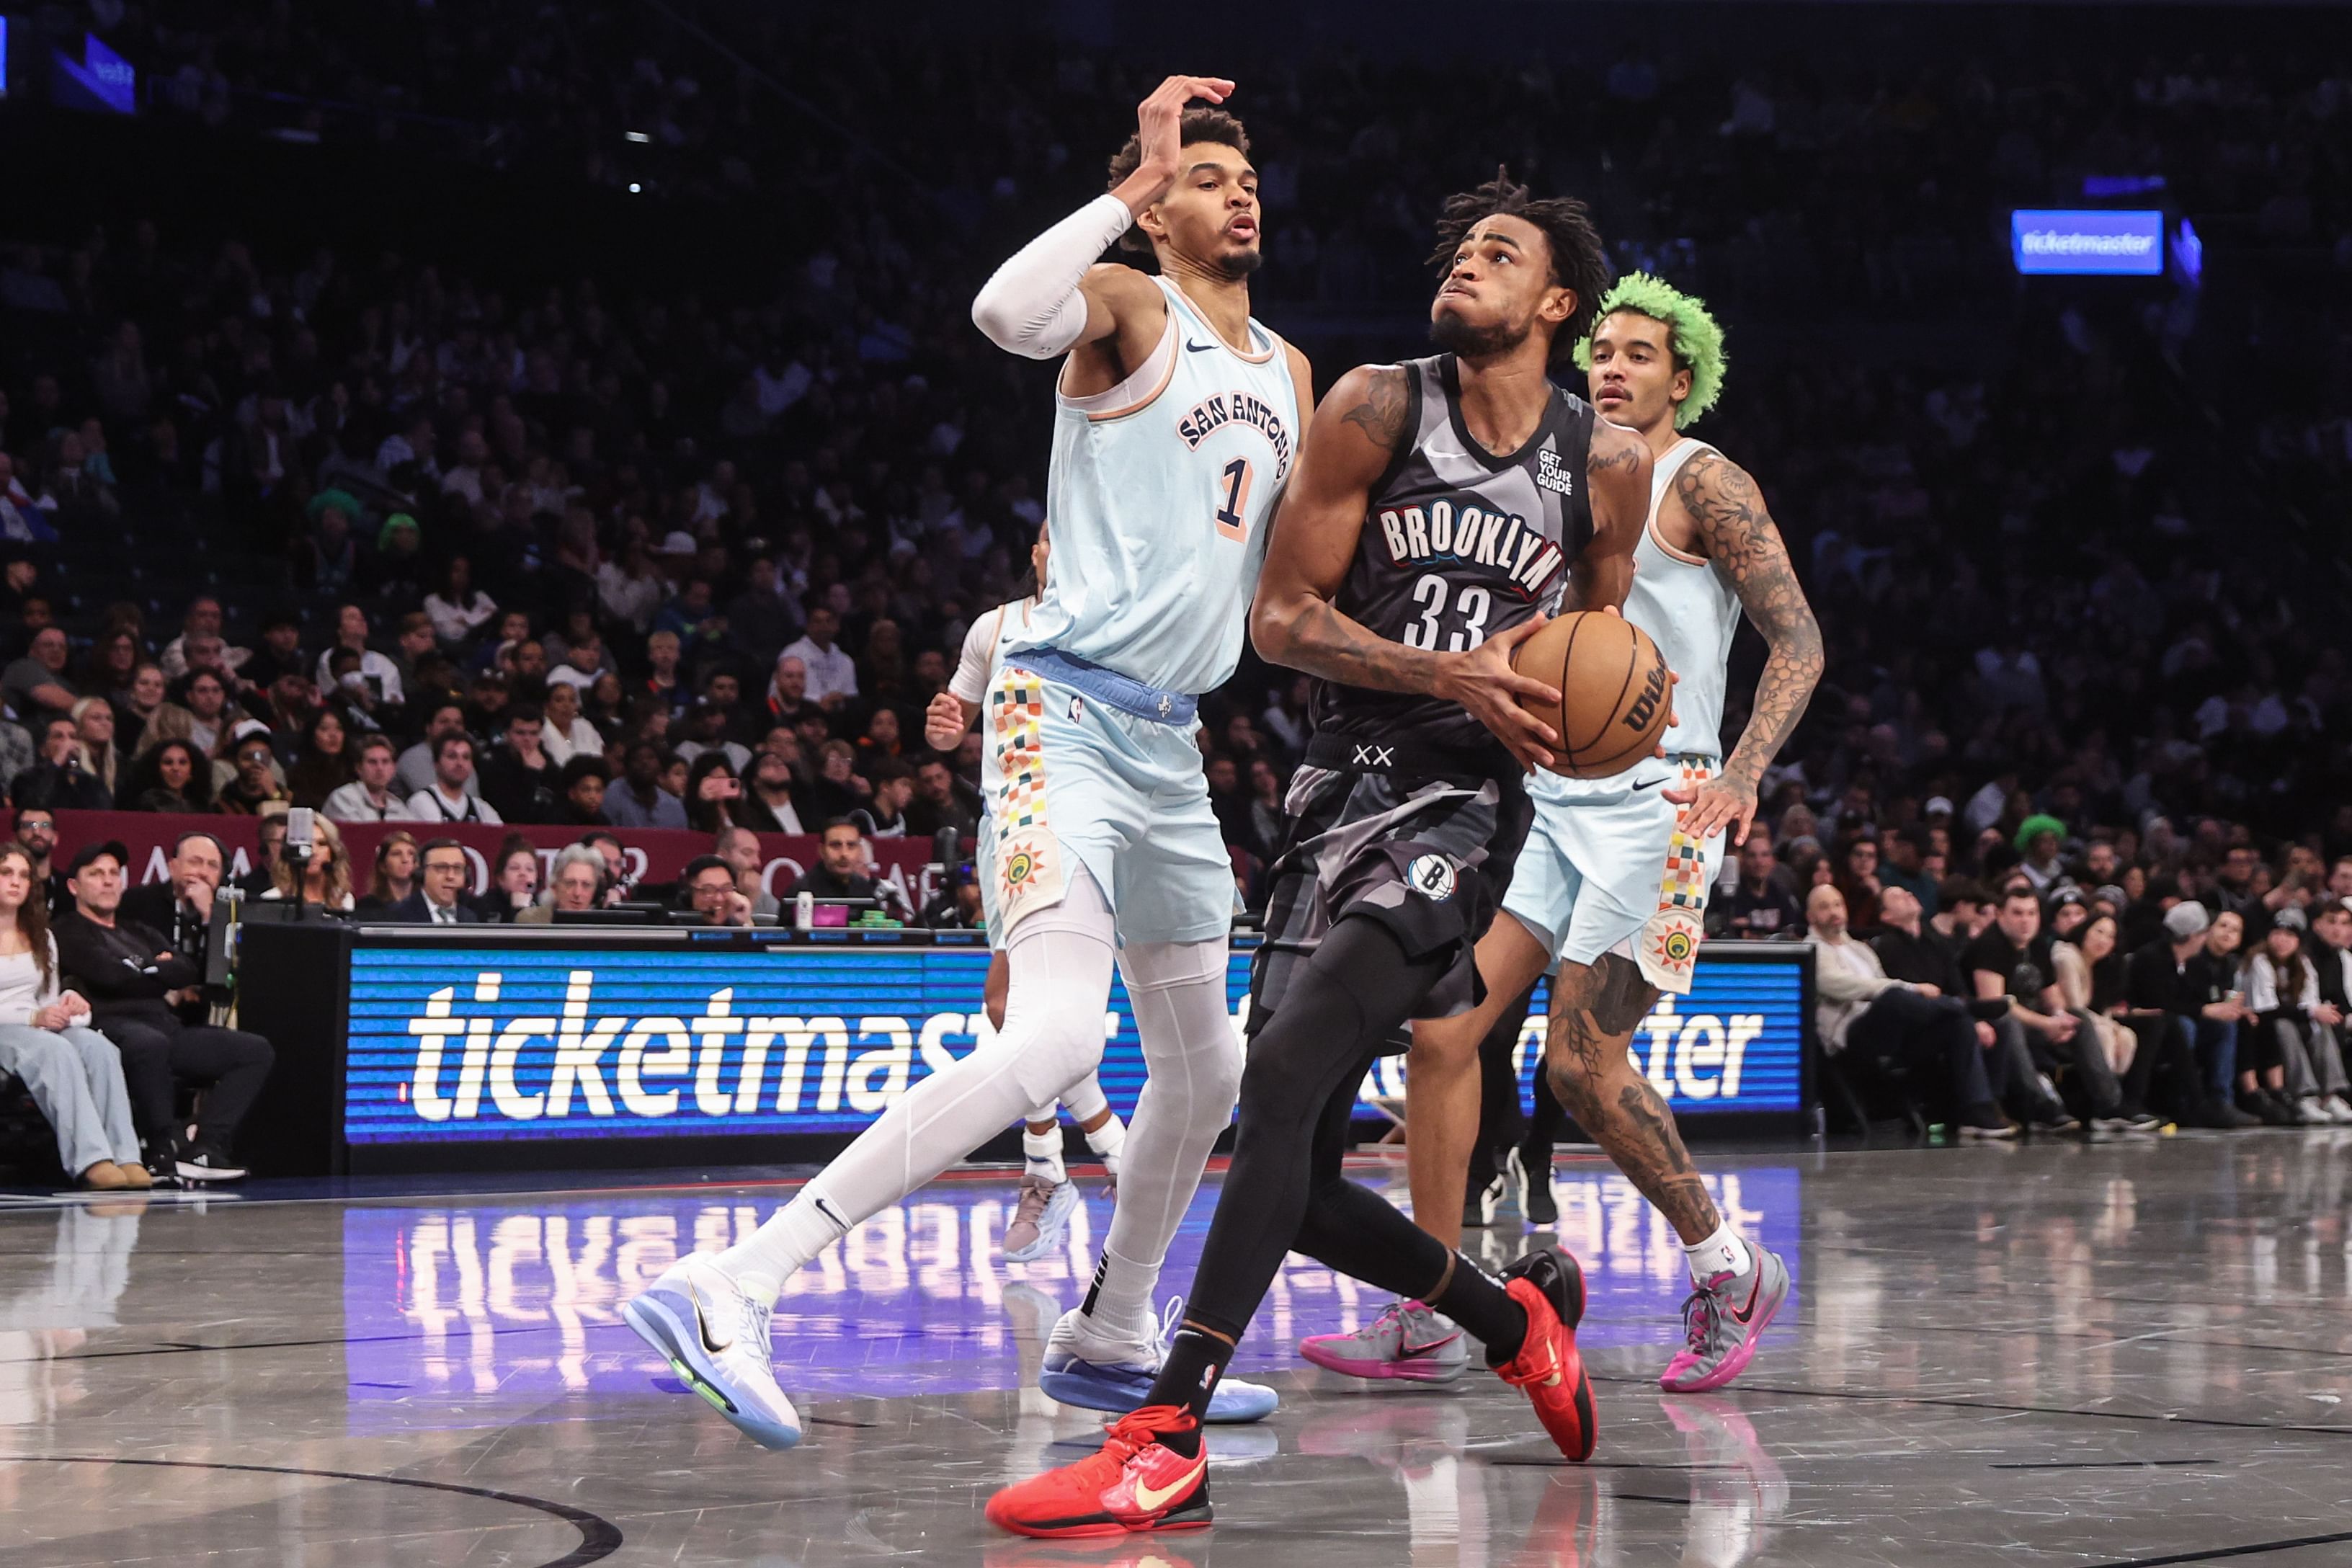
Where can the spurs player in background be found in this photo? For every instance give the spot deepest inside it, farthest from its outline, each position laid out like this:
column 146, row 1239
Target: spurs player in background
column 1440, row 506
column 1613, row 883
column 1176, row 419
column 1042, row 1212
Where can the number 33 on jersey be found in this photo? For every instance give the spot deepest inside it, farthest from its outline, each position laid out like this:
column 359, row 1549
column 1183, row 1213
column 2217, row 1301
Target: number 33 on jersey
column 1162, row 491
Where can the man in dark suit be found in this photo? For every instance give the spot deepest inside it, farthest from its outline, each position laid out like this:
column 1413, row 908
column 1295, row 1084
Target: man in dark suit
column 181, row 907
column 134, row 983
column 440, row 896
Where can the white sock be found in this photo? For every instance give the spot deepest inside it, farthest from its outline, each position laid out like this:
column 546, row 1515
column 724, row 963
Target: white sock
column 1721, row 1253
column 763, row 1261
column 1110, row 1140
column 1042, row 1154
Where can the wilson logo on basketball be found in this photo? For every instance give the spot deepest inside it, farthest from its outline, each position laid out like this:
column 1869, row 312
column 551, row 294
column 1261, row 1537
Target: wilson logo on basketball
column 1644, row 706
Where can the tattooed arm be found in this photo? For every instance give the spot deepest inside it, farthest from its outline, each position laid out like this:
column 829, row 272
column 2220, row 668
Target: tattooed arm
column 1738, row 535
column 1354, row 436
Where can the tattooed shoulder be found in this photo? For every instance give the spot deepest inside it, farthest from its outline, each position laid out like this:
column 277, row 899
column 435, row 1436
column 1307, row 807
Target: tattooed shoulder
column 1381, row 412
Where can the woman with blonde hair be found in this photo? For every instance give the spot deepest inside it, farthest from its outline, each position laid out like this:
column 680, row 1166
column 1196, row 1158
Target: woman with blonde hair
column 326, row 879
column 73, row 1073
column 93, row 719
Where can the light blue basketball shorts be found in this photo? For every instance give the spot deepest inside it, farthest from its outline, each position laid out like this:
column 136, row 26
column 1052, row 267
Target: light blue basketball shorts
column 1073, row 782
column 1607, row 869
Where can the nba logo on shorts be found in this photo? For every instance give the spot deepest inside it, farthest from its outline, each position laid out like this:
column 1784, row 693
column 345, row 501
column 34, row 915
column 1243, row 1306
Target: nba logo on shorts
column 1432, row 876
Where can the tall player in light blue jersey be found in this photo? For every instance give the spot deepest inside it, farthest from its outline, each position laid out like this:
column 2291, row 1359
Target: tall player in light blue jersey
column 1177, row 419
column 1612, row 883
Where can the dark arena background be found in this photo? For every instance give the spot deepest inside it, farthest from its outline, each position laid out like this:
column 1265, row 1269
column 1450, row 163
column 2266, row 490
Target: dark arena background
column 436, row 433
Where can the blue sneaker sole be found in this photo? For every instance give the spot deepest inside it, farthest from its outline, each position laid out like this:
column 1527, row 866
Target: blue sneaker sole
column 1233, row 1403
column 674, row 1341
column 1052, row 1227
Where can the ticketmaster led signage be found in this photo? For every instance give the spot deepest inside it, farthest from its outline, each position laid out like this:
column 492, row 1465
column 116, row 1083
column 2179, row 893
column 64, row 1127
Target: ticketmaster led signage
column 2092, row 243
column 553, row 1042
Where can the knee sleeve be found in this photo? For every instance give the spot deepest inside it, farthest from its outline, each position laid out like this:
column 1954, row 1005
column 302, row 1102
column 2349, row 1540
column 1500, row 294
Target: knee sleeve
column 1183, row 1020
column 1052, row 1004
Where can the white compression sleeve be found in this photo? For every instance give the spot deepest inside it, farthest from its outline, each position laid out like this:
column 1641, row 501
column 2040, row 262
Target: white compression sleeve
column 1052, row 1035
column 1032, row 306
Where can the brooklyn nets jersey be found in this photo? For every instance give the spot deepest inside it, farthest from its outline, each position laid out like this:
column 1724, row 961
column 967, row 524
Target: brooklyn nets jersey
column 1459, row 544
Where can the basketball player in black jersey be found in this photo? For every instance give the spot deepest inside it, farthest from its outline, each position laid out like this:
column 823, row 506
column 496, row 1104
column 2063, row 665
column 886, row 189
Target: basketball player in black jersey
column 1440, row 509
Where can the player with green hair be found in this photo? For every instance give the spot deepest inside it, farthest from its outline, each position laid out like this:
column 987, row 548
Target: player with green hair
column 1694, row 339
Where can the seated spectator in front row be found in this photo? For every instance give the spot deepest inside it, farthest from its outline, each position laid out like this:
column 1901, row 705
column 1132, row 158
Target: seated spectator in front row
column 2165, row 1008
column 135, row 985
column 514, row 883
column 1760, row 908
column 739, row 848
column 840, row 870
column 2294, row 1032
column 180, row 908
column 707, row 889
column 2006, row 961
column 440, row 896
column 1893, row 1027
column 326, row 880
column 577, row 886
column 73, row 1073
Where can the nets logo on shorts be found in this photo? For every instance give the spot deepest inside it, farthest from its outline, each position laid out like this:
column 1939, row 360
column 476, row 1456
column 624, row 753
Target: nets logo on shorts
column 1019, row 868
column 1432, row 876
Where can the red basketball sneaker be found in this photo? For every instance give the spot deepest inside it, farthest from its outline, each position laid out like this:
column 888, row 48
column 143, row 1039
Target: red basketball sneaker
column 1136, row 1483
column 1551, row 1286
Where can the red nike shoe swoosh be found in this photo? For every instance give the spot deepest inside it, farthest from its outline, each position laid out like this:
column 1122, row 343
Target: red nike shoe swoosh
column 1755, row 1288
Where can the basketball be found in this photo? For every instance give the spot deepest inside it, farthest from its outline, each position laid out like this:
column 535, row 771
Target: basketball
column 1613, row 692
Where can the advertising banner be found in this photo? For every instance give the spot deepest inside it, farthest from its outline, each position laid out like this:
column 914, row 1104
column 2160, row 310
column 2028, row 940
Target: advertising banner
column 594, row 1038
column 2090, row 243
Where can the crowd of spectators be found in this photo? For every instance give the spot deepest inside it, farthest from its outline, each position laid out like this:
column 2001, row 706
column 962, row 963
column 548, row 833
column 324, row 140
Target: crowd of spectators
column 611, row 554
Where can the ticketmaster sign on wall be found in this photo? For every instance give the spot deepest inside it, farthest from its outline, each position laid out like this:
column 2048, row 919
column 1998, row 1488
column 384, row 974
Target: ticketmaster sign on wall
column 602, row 1039
column 2087, row 243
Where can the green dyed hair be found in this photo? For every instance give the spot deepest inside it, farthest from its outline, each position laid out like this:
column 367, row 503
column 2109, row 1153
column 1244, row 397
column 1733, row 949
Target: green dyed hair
column 1696, row 338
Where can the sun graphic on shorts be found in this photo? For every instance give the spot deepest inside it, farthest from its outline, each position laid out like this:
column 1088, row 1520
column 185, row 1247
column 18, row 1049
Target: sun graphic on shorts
column 1678, row 945
column 1018, row 868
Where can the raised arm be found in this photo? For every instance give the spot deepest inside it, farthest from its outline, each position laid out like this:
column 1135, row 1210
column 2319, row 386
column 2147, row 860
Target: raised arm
column 1348, row 445
column 1740, row 538
column 1051, row 297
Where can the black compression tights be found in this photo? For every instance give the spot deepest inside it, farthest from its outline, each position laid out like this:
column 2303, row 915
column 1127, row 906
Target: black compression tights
column 1285, row 1192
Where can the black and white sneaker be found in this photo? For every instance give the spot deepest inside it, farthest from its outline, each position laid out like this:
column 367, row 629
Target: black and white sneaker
column 202, row 1164
column 1478, row 1207
column 1537, row 1204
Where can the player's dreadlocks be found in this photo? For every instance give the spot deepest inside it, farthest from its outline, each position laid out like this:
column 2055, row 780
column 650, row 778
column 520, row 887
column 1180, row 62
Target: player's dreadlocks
column 1579, row 264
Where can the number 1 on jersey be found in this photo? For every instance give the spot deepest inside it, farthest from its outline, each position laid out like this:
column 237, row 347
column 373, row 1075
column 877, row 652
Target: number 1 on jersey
column 1230, row 520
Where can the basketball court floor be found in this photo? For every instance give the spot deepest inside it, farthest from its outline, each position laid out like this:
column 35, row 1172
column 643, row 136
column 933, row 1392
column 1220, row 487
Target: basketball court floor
column 2116, row 1356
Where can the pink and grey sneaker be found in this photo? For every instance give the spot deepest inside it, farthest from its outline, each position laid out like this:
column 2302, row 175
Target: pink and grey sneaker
column 1408, row 1342
column 1722, row 1321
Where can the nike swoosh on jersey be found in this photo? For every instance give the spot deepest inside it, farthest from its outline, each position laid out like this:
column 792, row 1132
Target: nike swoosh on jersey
column 1151, row 1497
column 1191, row 347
